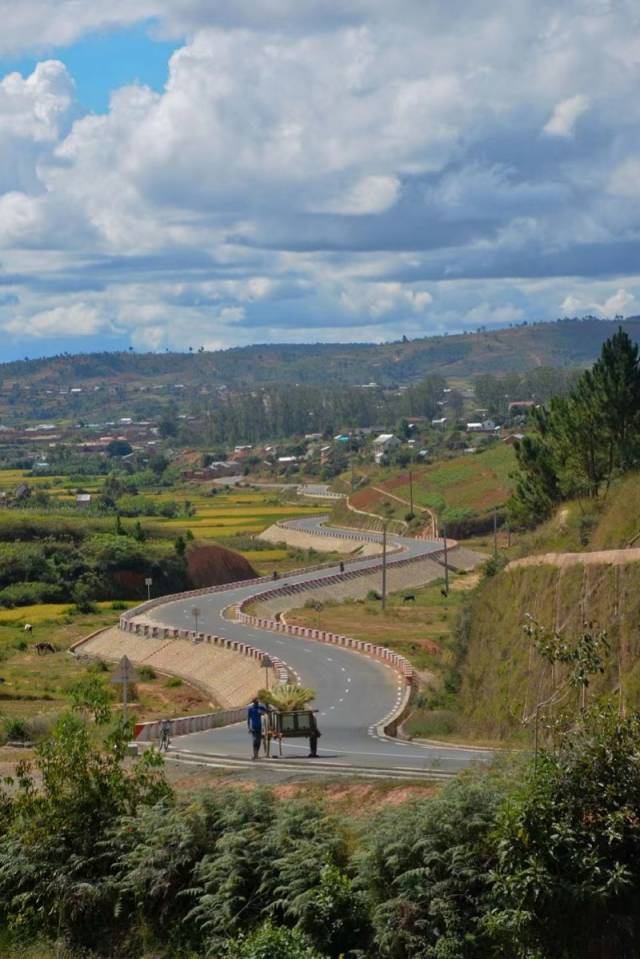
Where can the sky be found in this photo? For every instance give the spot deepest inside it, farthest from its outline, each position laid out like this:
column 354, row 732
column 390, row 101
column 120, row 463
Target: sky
column 186, row 173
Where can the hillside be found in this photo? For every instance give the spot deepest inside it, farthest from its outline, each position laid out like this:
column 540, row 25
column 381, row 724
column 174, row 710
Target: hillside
column 564, row 343
column 461, row 491
column 501, row 677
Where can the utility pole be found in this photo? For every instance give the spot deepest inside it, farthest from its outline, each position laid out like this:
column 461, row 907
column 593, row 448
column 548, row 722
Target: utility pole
column 195, row 612
column 411, row 492
column 445, row 591
column 495, row 532
column 148, row 583
column 384, row 565
column 353, row 480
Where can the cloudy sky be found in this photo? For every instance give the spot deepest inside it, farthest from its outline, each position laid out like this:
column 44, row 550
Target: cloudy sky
column 180, row 173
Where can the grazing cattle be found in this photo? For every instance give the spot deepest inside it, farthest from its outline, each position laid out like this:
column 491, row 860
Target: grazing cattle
column 410, row 598
column 28, row 628
column 43, row 648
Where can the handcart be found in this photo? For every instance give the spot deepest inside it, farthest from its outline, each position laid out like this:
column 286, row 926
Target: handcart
column 288, row 724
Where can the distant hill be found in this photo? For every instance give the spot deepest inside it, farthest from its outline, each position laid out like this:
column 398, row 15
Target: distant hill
column 564, row 343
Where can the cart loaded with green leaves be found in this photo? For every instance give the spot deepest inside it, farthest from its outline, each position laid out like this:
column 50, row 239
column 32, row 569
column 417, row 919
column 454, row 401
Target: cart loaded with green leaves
column 287, row 717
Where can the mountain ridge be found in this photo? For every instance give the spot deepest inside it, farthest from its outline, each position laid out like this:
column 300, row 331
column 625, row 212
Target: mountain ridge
column 561, row 343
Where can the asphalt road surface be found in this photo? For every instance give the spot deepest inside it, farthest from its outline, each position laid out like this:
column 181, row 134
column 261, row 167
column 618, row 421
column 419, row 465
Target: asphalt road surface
column 354, row 694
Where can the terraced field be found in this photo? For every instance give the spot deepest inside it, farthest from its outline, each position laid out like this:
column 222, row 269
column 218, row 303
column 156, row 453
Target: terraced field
column 231, row 514
column 471, row 483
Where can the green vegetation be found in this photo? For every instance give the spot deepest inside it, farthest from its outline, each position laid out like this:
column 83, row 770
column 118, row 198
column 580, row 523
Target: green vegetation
column 35, row 688
column 427, row 630
column 583, row 440
column 502, row 674
column 536, row 859
column 461, row 490
column 287, row 697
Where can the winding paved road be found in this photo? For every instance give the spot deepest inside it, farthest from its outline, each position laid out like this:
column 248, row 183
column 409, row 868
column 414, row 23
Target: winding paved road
column 354, row 694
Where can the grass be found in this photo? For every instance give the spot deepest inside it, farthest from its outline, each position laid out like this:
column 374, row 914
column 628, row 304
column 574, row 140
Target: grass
column 420, row 630
column 46, row 612
column 502, row 678
column 38, row 685
column 473, row 482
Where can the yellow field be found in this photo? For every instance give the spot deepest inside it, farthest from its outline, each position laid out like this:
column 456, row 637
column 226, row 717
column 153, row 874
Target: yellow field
column 221, row 532
column 42, row 612
column 264, row 555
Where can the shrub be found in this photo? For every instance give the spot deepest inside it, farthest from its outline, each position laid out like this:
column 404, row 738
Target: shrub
column 173, row 682
column 30, row 594
column 272, row 942
column 99, row 666
column 146, row 672
column 82, row 599
column 118, row 604
column 494, row 565
column 373, row 594
column 425, row 873
column 17, row 730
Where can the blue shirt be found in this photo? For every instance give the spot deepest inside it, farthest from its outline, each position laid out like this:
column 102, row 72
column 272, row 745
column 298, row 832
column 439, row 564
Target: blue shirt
column 254, row 717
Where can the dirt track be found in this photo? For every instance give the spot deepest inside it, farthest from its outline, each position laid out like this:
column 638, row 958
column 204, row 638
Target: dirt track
column 610, row 557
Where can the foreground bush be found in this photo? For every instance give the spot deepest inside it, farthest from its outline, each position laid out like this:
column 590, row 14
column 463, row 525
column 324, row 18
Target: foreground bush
column 537, row 861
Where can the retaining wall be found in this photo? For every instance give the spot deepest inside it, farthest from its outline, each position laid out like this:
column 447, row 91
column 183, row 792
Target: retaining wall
column 146, row 732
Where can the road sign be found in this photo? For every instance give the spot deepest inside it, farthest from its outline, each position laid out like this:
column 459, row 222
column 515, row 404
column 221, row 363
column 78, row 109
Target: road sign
column 148, row 581
column 266, row 662
column 125, row 673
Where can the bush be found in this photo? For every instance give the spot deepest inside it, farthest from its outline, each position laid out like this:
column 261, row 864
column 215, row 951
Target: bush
column 173, row 682
column 373, row 594
column 118, row 604
column 83, row 600
column 17, row 730
column 30, row 594
column 494, row 565
column 99, row 666
column 146, row 672
column 272, row 942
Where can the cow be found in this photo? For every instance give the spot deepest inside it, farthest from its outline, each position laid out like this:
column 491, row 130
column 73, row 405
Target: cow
column 43, row 648
column 410, row 598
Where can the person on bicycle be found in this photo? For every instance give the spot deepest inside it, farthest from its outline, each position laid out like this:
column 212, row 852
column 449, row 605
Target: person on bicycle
column 165, row 734
column 254, row 724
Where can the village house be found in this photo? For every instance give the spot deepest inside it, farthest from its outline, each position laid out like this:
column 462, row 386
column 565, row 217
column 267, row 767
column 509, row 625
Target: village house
column 383, row 444
column 482, row 426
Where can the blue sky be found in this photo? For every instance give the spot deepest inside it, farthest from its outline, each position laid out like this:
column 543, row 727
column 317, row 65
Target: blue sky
column 101, row 62
column 179, row 173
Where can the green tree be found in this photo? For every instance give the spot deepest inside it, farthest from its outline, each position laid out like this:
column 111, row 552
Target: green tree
column 615, row 379
column 567, row 879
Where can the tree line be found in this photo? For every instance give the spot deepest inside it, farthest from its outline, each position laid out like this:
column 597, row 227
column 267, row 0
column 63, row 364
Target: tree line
column 582, row 440
column 295, row 410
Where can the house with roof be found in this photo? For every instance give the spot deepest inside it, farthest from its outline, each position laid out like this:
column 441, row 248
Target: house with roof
column 383, row 444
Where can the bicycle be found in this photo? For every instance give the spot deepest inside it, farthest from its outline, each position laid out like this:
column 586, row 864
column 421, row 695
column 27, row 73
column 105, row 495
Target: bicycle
column 165, row 740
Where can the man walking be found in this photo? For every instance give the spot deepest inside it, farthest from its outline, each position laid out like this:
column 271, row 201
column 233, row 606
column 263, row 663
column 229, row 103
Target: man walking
column 254, row 724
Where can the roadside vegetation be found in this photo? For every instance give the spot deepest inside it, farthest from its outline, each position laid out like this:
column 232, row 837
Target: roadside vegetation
column 236, row 874
column 34, row 688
